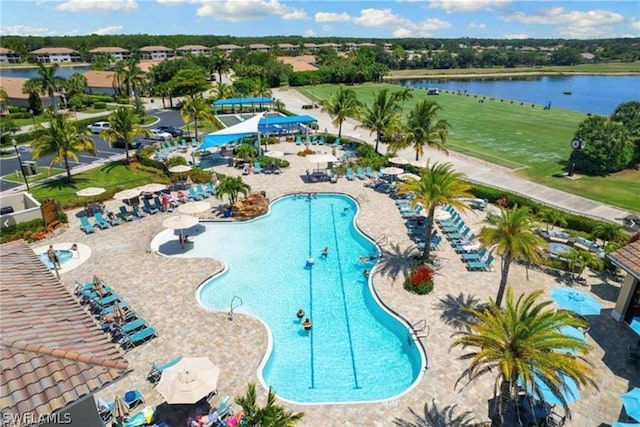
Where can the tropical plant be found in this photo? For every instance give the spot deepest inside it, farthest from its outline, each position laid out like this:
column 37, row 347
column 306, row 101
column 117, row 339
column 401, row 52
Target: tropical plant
column 511, row 235
column 608, row 231
column 422, row 129
column 380, row 116
column 420, row 281
column 75, row 84
column 552, row 217
column 220, row 62
column 195, row 108
column 62, row 139
column 232, row 186
column 340, row 105
column 246, row 151
column 129, row 77
column 124, row 127
column 436, row 417
column 47, row 83
column 8, row 127
column 270, row 415
column 519, row 343
column 4, row 99
column 438, row 185
column 579, row 259
column 223, row 91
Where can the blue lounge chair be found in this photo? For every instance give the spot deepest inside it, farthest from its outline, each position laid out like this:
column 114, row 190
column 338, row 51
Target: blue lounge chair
column 456, row 237
column 156, row 370
column 321, row 140
column 86, row 226
column 314, row 140
column 336, row 143
column 212, row 190
column 204, row 192
column 134, row 325
column 350, row 174
column 193, row 195
column 370, row 173
column 256, row 167
column 148, row 208
column 100, row 221
column 138, row 338
column 480, row 265
column 107, row 300
column 298, row 140
column 137, row 212
column 360, row 173
column 133, row 398
column 158, row 204
column 223, row 407
column 474, row 256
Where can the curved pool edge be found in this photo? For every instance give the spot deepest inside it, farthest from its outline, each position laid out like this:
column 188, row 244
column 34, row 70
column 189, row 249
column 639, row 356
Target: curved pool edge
column 79, row 256
column 269, row 348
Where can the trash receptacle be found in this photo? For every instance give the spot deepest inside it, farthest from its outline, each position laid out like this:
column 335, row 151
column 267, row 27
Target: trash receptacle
column 230, row 161
column 31, row 167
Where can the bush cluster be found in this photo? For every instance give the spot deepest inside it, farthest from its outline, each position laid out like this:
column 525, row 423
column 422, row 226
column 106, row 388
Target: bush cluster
column 420, row 281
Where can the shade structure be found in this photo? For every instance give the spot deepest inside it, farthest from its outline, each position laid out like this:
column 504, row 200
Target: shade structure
column 189, row 380
column 194, row 207
column 180, row 222
column 635, row 325
column 573, row 332
column 274, row 153
column 569, row 390
column 120, row 409
column 127, row 194
column 152, row 188
column 90, row 191
column 576, row 301
column 179, row 169
column 419, row 163
column 631, row 402
column 398, row 161
column 408, row 176
column 232, row 133
column 391, row 170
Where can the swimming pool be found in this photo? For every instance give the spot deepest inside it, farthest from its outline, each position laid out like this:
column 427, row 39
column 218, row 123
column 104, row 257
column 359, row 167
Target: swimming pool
column 63, row 257
column 356, row 350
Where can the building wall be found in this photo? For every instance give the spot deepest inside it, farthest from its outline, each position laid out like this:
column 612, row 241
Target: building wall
column 626, row 294
column 25, row 208
column 82, row 413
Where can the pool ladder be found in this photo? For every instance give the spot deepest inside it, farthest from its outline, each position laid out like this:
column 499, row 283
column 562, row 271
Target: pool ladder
column 421, row 327
column 362, row 198
column 238, row 302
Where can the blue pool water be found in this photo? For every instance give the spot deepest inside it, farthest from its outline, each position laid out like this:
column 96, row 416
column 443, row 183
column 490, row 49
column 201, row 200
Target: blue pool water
column 63, row 256
column 356, row 350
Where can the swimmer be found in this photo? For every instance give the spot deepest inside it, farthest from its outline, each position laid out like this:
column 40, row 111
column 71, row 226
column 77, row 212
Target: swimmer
column 365, row 273
column 306, row 324
column 310, row 261
column 300, row 314
column 325, row 252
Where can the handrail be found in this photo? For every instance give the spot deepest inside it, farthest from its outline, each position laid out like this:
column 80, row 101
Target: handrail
column 232, row 307
column 420, row 326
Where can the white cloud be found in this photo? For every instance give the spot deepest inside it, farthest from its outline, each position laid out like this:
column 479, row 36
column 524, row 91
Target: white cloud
column 451, row 6
column 25, row 30
column 243, row 10
column 380, row 18
column 113, row 29
column 635, row 25
column 516, row 36
column 399, row 26
column 97, row 5
column 309, row 33
column 476, row 26
column 176, row 2
column 332, row 17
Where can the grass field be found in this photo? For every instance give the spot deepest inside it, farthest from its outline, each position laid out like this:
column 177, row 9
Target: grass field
column 533, row 141
column 43, row 173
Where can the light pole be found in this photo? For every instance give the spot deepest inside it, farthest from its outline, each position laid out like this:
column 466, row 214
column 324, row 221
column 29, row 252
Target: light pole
column 32, row 117
column 578, row 143
column 15, row 146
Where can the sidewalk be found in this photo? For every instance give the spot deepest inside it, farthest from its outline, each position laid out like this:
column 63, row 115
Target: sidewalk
column 476, row 170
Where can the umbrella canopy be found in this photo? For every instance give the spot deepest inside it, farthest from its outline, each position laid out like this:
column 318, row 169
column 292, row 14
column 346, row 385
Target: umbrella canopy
column 127, row 194
column 398, row 161
column 194, row 207
column 635, row 325
column 569, row 390
column 90, row 191
column 631, row 402
column 120, row 409
column 391, row 170
column 274, row 153
column 418, row 163
column 189, row 380
column 152, row 188
column 573, row 332
column 619, row 424
column 180, row 222
column 407, row 176
column 179, row 168
column 578, row 302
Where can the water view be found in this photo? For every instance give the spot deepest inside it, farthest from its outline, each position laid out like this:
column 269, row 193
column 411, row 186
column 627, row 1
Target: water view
column 28, row 73
column 588, row 94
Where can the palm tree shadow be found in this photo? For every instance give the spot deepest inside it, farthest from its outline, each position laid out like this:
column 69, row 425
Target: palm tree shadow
column 436, row 417
column 395, row 261
column 62, row 183
column 453, row 313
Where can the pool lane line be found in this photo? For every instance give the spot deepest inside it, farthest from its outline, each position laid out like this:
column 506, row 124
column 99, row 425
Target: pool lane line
column 344, row 301
column 313, row 382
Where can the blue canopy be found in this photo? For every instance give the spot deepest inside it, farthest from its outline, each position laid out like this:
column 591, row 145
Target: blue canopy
column 243, row 101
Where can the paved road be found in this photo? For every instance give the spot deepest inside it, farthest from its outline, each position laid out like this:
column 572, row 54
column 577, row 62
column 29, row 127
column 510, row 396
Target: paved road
column 476, row 170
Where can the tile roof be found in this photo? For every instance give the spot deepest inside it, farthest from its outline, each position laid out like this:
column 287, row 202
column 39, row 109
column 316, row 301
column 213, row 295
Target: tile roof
column 193, row 47
column 53, row 352
column 13, row 87
column 300, row 63
column 4, row 50
column 108, row 49
column 228, row 46
column 50, row 50
column 99, row 78
column 628, row 258
column 155, row 49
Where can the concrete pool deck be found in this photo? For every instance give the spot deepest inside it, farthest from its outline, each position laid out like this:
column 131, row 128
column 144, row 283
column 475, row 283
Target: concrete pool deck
column 162, row 290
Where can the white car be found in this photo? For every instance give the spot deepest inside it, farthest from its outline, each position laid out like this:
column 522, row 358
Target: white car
column 158, row 135
column 98, row 127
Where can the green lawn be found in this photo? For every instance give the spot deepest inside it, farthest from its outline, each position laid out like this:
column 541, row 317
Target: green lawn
column 533, row 141
column 113, row 177
column 43, row 173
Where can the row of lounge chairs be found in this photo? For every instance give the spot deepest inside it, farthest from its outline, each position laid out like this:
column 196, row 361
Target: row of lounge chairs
column 316, row 140
column 463, row 242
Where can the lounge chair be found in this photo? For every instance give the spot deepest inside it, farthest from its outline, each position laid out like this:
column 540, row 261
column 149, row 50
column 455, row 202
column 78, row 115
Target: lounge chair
column 130, row 341
column 456, row 237
column 480, row 265
column 336, row 143
column 148, row 208
column 100, row 221
column 133, row 398
column 158, row 204
column 223, row 407
column 134, row 325
column 360, row 173
column 156, row 370
column 370, row 172
column 137, row 212
column 203, row 191
column 193, row 195
column 474, row 256
column 107, row 301
column 298, row 140
column 321, row 140
column 350, row 174
column 212, row 190
column 256, row 167
column 86, row 226
column 136, row 420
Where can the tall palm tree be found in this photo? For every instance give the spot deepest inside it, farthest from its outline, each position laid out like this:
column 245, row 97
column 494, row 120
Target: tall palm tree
column 129, row 77
column 220, row 62
column 271, row 415
column 607, row 231
column 223, row 91
column 380, row 116
column 62, row 139
column 340, row 105
column 438, row 185
column 512, row 237
column 424, row 130
column 195, row 107
column 75, row 84
column 521, row 342
column 124, row 127
column 232, row 187
column 47, row 83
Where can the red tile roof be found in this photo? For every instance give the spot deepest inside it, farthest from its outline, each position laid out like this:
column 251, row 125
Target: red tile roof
column 628, row 258
column 53, row 352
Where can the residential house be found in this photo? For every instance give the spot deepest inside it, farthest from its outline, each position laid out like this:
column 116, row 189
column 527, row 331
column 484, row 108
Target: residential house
column 388, row 46
column 259, row 47
column 55, row 54
column 7, row 56
column 13, row 87
column 156, row 52
column 54, row 354
column 334, row 46
column 229, row 48
column 117, row 53
column 100, row 82
column 287, row 47
column 193, row 49
column 311, row 46
column 588, row 57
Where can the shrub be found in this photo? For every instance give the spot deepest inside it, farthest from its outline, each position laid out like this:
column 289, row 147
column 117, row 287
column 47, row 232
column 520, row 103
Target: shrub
column 420, row 281
column 29, row 231
column 99, row 105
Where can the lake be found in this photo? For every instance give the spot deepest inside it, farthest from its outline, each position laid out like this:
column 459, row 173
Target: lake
column 28, row 73
column 588, row 94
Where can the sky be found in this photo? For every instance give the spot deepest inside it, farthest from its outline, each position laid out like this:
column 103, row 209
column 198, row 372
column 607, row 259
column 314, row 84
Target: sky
column 496, row 19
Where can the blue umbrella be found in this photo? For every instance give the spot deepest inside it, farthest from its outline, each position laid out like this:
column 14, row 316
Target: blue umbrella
column 578, row 302
column 619, row 424
column 631, row 402
column 635, row 325
column 573, row 332
column 569, row 390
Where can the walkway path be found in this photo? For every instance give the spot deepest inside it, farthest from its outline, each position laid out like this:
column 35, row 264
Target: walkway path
column 476, row 170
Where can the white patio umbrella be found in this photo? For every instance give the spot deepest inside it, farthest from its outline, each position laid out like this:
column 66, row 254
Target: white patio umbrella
column 180, row 222
column 189, row 380
column 194, row 207
column 90, row 191
column 152, row 188
column 418, row 163
column 179, row 169
column 398, row 161
column 407, row 176
column 391, row 170
column 274, row 153
column 127, row 194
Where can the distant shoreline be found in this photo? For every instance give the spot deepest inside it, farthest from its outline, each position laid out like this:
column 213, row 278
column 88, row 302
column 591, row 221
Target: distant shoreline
column 506, row 74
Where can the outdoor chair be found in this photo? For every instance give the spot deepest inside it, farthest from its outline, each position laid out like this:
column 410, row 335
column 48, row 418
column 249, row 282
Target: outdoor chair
column 133, row 398
column 148, row 208
column 86, row 226
column 350, row 174
column 100, row 221
column 480, row 265
column 193, row 195
column 212, row 190
column 156, row 370
column 204, row 191
column 360, row 173
column 256, row 167
column 474, row 256
column 336, row 143
column 298, row 140
column 158, row 205
column 130, row 341
column 137, row 212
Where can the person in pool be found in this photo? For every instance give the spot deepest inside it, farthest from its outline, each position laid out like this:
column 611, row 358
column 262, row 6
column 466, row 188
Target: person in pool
column 53, row 256
column 325, row 252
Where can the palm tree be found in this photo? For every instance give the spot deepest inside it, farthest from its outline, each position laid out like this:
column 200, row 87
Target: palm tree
column 607, row 231
column 223, row 91
column 340, row 105
column 579, row 259
column 62, row 139
column 271, row 415
column 521, row 342
column 231, row 187
column 129, row 77
column 423, row 130
column 512, row 237
column 75, row 84
column 124, row 127
column 438, row 185
column 197, row 108
column 47, row 83
column 380, row 116
column 552, row 217
column 220, row 62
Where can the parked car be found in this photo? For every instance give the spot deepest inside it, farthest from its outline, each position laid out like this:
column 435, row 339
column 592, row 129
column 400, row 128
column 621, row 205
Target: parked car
column 158, row 135
column 98, row 127
column 132, row 145
column 173, row 130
